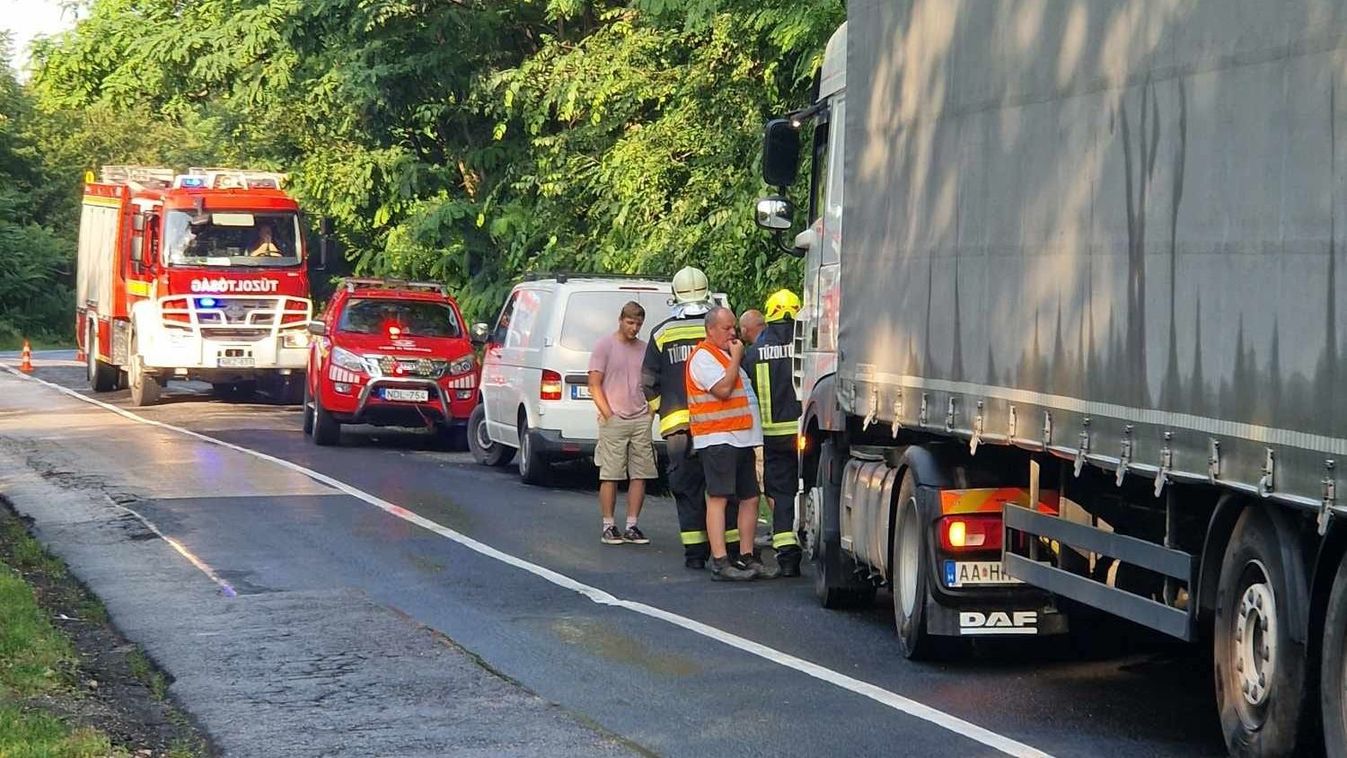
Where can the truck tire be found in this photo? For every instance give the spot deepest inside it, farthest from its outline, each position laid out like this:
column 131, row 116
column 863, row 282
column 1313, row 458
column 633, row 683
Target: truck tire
column 483, row 450
column 835, row 581
column 144, row 385
column 308, row 410
column 1259, row 669
column 533, row 467
column 102, row 376
column 326, row 430
column 1333, row 672
column 911, row 572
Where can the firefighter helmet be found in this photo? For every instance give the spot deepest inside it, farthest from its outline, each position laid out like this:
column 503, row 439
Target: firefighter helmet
column 782, row 304
column 690, row 286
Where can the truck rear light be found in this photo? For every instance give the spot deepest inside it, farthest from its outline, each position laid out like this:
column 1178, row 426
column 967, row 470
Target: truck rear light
column 970, row 532
column 550, row 389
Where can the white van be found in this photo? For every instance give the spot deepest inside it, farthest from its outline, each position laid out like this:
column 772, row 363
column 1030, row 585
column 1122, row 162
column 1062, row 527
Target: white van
column 535, row 371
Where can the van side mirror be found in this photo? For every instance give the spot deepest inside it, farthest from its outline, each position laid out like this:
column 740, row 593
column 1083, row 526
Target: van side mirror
column 479, row 333
column 317, row 328
column 774, row 213
column 780, row 153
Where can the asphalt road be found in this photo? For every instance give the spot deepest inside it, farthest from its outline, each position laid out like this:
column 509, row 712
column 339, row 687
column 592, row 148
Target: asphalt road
column 675, row 679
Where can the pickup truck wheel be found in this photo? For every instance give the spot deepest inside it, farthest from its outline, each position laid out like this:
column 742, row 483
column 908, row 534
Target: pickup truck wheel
column 326, row 430
column 102, row 376
column 533, row 467
column 308, row 410
column 144, row 386
column 483, row 450
column 835, row 581
column 1333, row 675
column 1260, row 670
column 910, row 573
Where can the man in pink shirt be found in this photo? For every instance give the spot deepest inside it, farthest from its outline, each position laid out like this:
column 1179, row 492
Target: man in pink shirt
column 624, row 451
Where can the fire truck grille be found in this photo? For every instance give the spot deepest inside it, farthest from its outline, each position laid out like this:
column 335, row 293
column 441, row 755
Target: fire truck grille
column 249, row 335
column 421, row 367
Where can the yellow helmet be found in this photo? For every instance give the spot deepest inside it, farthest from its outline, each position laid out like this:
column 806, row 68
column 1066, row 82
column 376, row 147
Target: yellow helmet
column 782, row 304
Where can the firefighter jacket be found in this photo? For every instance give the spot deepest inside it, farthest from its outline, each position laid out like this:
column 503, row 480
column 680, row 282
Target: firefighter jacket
column 768, row 365
column 666, row 355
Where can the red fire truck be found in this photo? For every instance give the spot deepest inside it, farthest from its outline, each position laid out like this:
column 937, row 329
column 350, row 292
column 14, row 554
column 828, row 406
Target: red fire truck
column 198, row 275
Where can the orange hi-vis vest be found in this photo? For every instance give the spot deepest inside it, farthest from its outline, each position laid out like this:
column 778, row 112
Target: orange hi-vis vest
column 710, row 414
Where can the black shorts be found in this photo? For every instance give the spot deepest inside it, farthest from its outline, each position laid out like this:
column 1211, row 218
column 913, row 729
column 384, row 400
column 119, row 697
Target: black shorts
column 780, row 467
column 730, row 471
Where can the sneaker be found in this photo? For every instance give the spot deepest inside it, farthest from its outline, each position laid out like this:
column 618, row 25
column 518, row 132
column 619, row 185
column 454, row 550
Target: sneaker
column 725, row 570
column 635, row 536
column 759, row 568
column 611, row 536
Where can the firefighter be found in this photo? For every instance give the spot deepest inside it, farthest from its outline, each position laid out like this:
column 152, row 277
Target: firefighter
column 768, row 364
column 671, row 342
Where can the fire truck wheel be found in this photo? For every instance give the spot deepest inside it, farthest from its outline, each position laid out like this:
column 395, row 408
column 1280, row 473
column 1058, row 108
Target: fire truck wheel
column 835, row 581
column 483, row 449
column 326, row 430
column 1333, row 675
column 144, row 386
column 1259, row 668
column 910, row 573
column 102, row 376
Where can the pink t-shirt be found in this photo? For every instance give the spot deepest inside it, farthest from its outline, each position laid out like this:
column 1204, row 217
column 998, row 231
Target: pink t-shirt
column 620, row 363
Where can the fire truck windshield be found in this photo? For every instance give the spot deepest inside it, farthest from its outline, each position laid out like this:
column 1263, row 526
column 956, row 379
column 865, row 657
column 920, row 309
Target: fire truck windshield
column 232, row 238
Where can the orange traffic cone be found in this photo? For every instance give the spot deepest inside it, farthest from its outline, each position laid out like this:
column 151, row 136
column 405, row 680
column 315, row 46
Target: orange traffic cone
column 26, row 359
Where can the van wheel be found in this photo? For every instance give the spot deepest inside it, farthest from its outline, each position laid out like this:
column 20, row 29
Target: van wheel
column 483, row 450
column 144, row 385
column 102, row 376
column 533, row 468
column 835, row 581
column 1260, row 670
column 910, row 573
column 1333, row 675
column 326, row 430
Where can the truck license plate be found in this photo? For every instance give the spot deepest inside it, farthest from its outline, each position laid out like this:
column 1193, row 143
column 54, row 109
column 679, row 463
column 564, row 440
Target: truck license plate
column 975, row 573
column 234, row 361
column 580, row 392
column 408, row 396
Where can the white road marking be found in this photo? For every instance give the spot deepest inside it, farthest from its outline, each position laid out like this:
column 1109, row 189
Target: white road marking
column 865, row 689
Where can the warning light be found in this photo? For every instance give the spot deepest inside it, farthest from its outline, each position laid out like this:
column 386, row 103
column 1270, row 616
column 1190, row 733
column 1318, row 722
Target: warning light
column 394, row 332
column 192, row 182
column 207, row 302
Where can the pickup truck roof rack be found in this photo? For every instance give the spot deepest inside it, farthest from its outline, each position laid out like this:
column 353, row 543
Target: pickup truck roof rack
column 353, row 283
column 563, row 276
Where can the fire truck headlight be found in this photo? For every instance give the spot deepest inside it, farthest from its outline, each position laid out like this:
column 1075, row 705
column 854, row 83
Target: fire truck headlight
column 349, row 361
column 296, row 338
column 462, row 365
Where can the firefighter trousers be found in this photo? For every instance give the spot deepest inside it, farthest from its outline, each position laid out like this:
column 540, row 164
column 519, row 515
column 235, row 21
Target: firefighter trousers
column 688, row 484
column 780, row 478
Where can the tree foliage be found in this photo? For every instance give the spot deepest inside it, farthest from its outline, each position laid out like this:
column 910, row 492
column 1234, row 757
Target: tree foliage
column 468, row 141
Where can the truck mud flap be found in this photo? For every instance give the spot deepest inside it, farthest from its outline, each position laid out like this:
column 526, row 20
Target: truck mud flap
column 1164, row 561
column 989, row 621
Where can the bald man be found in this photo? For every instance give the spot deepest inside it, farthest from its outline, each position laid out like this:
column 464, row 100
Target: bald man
column 751, row 324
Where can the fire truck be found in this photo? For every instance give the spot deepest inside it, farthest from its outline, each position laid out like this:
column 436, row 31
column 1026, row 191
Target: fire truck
column 192, row 276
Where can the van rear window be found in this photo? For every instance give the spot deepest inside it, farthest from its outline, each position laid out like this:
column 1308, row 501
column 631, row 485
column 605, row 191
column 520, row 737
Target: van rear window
column 591, row 315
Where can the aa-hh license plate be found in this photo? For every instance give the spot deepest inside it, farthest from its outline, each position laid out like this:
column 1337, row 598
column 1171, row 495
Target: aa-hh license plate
column 232, row 361
column 580, row 392
column 975, row 573
column 407, row 396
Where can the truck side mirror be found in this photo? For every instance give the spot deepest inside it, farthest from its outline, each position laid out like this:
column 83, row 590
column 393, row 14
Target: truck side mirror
column 317, row 328
column 479, row 333
column 780, row 153
column 774, row 213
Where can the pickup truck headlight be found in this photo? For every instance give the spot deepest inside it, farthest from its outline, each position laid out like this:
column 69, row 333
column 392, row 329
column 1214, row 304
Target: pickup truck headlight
column 462, row 365
column 295, row 338
column 351, row 362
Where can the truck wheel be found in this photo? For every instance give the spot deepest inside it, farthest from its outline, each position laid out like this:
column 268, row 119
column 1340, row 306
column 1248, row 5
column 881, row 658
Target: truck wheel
column 1260, row 670
column 533, row 467
column 144, row 386
column 483, row 450
column 308, row 410
column 1333, row 674
column 910, row 573
column 835, row 581
column 326, row 430
column 102, row 376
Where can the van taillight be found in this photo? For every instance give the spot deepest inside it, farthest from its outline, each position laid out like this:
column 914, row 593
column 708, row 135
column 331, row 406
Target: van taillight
column 551, row 386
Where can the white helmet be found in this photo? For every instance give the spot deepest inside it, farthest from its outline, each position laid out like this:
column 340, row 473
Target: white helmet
column 690, row 286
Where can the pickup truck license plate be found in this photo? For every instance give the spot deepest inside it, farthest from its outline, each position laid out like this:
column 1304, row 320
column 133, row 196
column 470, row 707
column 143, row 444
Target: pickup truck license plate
column 975, row 573
column 408, row 396
column 233, row 361
column 580, row 392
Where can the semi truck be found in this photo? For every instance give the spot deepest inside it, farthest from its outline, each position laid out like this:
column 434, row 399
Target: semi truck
column 196, row 275
column 1070, row 331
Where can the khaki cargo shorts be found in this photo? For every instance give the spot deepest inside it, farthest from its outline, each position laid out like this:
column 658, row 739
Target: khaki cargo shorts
column 625, row 450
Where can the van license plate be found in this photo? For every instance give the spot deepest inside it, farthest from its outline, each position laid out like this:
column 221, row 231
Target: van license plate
column 580, row 392
column 408, row 396
column 233, row 361
column 975, row 573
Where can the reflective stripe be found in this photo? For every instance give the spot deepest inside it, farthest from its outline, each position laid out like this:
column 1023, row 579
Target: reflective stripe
column 686, row 332
column 771, row 428
column 780, row 428
column 102, row 202
column 735, row 411
column 693, row 538
column 140, row 289
column 674, row 421
column 731, row 535
column 784, row 539
column 654, row 404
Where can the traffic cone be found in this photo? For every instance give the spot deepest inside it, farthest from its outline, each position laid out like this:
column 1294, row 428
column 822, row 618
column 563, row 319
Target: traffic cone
column 26, row 358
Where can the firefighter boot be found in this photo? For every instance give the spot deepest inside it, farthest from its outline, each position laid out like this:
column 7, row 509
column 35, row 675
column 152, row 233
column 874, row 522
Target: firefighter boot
column 788, row 558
